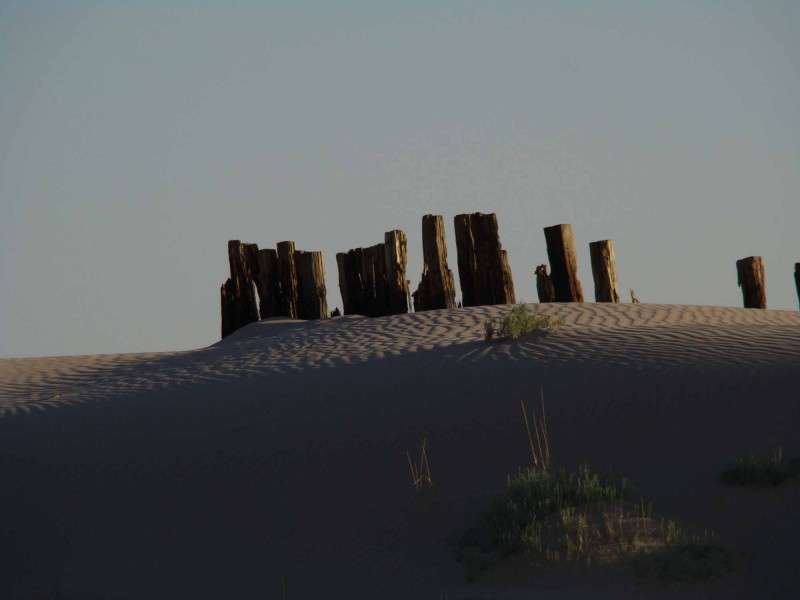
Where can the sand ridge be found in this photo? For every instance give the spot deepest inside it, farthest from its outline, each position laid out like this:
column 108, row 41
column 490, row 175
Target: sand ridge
column 278, row 455
column 634, row 335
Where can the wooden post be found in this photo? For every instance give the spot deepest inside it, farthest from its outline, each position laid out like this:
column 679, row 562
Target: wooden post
column 750, row 273
column 350, row 284
column 311, row 300
column 564, row 263
column 506, row 285
column 372, row 263
column 268, row 283
column 797, row 279
column 604, row 271
column 544, row 285
column 228, row 308
column 373, row 280
column 287, row 276
column 483, row 268
column 466, row 258
column 241, row 265
column 437, row 288
column 237, row 295
column 395, row 257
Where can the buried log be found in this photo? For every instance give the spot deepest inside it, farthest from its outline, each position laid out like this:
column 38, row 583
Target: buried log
column 750, row 275
column 564, row 263
column 437, row 288
column 483, row 269
column 544, row 285
column 604, row 271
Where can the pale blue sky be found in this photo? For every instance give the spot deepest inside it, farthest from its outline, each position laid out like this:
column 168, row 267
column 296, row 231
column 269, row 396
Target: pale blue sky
column 136, row 138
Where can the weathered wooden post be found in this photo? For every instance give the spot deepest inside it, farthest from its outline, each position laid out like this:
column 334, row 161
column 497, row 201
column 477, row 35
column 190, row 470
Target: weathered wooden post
column 604, row 271
column 564, row 263
column 311, row 300
column 268, row 283
column 287, row 276
column 544, row 285
column 483, row 269
column 797, row 279
column 237, row 295
column 396, row 259
column 350, row 284
column 750, row 273
column 373, row 274
column 437, row 288
column 373, row 280
column 228, row 308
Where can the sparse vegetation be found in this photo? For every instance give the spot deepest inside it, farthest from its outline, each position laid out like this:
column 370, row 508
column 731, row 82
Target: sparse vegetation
column 420, row 471
column 693, row 560
column 582, row 518
column 517, row 323
column 754, row 471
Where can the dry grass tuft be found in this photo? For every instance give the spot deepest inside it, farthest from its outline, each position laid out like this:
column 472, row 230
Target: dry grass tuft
column 421, row 471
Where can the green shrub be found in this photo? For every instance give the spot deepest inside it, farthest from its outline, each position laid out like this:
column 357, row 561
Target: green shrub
column 517, row 323
column 516, row 520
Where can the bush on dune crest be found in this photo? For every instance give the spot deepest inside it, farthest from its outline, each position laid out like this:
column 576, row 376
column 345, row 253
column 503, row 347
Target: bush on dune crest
column 517, row 323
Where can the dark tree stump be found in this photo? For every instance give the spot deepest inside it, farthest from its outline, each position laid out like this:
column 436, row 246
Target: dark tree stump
column 544, row 285
column 750, row 273
column 287, row 276
column 604, row 271
column 312, row 295
column 483, row 269
column 564, row 263
column 268, row 283
column 437, row 288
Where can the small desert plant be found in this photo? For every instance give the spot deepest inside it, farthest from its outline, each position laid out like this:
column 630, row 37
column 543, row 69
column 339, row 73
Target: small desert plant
column 540, row 452
column 753, row 471
column 517, row 323
column 563, row 517
column 520, row 519
column 421, row 471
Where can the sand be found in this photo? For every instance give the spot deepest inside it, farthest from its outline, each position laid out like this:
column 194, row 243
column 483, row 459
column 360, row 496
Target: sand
column 273, row 463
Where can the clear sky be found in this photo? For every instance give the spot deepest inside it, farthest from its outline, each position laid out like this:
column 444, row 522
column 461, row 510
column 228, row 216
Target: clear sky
column 136, row 138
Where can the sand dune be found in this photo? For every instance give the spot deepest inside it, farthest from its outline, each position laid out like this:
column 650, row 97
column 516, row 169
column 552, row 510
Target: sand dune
column 276, row 458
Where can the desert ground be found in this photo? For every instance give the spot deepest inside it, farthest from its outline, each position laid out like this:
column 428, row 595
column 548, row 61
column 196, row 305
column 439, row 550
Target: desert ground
column 273, row 464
